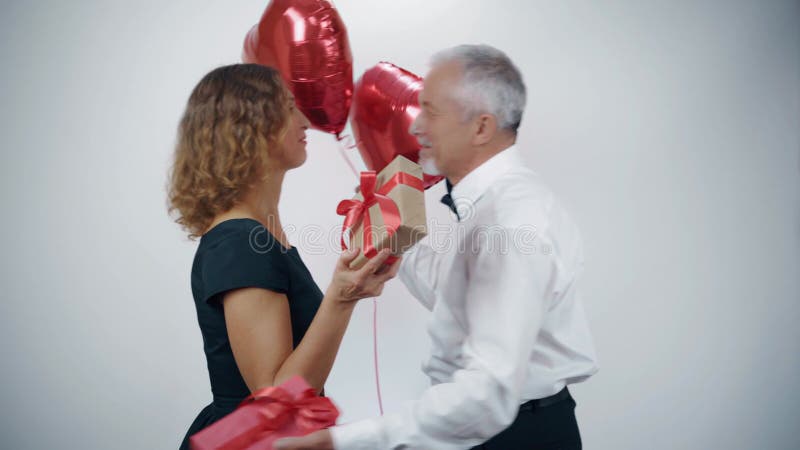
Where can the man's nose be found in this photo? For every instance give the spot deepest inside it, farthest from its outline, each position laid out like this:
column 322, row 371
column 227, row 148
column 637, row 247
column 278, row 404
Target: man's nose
column 414, row 128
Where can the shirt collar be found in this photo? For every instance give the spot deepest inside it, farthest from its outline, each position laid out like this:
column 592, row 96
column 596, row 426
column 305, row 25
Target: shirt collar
column 478, row 181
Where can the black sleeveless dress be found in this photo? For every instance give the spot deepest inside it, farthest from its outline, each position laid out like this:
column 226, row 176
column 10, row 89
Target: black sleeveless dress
column 234, row 254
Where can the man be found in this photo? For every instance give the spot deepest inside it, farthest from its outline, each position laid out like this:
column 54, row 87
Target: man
column 508, row 331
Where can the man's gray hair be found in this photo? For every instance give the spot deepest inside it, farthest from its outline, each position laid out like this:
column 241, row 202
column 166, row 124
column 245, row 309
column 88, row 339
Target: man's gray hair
column 490, row 83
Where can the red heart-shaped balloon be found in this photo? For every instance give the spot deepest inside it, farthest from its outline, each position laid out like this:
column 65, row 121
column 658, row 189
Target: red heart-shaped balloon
column 385, row 104
column 307, row 42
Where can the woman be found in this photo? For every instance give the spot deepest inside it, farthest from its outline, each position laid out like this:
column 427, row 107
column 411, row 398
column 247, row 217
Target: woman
column 262, row 317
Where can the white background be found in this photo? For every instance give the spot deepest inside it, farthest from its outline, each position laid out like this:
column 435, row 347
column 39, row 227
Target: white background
column 669, row 129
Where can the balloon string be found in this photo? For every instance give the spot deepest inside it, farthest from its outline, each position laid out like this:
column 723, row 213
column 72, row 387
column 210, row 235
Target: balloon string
column 349, row 145
column 375, row 351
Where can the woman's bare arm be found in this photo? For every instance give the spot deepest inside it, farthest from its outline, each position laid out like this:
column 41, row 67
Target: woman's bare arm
column 260, row 330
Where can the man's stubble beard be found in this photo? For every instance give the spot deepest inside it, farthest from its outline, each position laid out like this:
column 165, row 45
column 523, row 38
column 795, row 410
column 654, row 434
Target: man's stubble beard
column 429, row 166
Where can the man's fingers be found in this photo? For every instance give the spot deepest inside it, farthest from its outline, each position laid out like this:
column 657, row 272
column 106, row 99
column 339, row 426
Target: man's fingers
column 318, row 440
column 287, row 444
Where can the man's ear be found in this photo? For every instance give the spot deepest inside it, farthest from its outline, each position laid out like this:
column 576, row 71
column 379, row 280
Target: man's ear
column 486, row 128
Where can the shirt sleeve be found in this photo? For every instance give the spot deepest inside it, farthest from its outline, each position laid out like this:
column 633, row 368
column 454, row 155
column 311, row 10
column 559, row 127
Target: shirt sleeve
column 507, row 294
column 418, row 272
column 244, row 260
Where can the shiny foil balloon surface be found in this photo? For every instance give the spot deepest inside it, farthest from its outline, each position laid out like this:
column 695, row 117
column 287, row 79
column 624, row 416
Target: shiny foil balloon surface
column 385, row 103
column 307, row 41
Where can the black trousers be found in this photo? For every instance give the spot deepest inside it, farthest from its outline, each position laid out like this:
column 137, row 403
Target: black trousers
column 550, row 427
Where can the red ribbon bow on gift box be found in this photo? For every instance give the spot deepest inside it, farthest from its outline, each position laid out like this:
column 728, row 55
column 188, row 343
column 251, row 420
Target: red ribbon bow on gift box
column 278, row 407
column 357, row 210
column 292, row 409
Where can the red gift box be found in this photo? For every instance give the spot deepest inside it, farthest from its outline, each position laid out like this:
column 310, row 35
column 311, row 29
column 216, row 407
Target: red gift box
column 291, row 409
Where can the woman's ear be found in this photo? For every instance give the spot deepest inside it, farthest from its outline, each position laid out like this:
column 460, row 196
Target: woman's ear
column 486, row 129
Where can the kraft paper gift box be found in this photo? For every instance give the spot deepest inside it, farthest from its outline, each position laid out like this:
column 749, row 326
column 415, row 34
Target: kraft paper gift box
column 393, row 214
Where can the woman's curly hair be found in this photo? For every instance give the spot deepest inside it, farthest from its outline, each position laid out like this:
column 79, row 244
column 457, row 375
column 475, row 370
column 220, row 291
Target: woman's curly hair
column 234, row 116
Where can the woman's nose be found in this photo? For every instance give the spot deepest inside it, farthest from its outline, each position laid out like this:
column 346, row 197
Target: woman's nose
column 302, row 119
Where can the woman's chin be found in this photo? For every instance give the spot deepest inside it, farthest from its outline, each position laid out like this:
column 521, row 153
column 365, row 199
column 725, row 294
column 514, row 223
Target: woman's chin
column 300, row 162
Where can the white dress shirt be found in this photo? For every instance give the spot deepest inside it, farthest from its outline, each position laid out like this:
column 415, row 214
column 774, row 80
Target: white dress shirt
column 507, row 323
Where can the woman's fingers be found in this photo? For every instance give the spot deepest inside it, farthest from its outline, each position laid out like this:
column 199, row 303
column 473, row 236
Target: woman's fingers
column 374, row 264
column 384, row 274
column 348, row 256
column 390, row 271
column 377, row 291
column 367, row 281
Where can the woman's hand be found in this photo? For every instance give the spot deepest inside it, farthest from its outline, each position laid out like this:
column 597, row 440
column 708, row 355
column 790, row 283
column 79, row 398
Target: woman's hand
column 349, row 285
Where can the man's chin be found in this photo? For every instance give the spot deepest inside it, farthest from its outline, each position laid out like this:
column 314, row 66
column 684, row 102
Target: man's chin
column 429, row 166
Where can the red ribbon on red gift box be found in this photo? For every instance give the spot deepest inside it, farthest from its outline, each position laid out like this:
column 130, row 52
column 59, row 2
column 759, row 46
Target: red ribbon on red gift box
column 357, row 210
column 291, row 409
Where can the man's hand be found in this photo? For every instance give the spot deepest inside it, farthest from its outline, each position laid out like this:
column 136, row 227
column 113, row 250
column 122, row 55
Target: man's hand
column 318, row 440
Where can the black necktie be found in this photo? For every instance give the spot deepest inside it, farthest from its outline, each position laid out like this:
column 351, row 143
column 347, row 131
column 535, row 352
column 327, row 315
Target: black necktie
column 447, row 199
